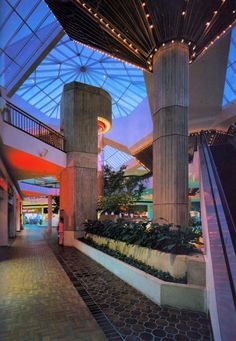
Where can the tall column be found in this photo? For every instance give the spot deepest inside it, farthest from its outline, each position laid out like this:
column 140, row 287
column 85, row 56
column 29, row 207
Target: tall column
column 49, row 214
column 12, row 216
column 3, row 218
column 81, row 105
column 18, row 215
column 168, row 92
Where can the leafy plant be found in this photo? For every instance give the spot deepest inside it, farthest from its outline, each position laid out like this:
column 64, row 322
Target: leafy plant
column 120, row 191
column 166, row 238
column 165, row 276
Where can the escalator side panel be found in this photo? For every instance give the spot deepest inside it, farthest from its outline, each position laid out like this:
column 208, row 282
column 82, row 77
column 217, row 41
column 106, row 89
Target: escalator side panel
column 225, row 160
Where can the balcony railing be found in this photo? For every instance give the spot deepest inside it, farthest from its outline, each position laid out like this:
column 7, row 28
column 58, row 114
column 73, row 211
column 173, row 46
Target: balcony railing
column 30, row 125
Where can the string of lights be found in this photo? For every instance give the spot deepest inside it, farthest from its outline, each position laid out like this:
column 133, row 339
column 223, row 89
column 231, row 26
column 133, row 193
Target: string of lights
column 134, row 31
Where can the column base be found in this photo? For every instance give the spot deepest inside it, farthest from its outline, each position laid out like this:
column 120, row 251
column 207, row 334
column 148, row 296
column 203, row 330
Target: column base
column 71, row 236
column 175, row 213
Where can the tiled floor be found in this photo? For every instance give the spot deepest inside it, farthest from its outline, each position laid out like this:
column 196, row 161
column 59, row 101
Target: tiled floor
column 37, row 299
column 130, row 314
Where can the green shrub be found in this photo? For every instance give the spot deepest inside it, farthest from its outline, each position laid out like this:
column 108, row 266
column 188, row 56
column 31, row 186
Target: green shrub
column 166, row 238
column 165, row 276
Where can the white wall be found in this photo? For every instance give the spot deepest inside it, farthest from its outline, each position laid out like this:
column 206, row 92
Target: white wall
column 15, row 138
column 131, row 129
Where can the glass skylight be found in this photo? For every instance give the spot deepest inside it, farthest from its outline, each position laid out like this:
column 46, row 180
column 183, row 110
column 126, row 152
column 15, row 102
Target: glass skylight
column 114, row 157
column 49, row 181
column 24, row 26
column 230, row 80
column 69, row 61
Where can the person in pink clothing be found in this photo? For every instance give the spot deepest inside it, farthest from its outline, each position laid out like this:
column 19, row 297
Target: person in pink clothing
column 61, row 231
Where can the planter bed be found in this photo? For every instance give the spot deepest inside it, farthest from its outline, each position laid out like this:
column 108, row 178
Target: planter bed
column 165, row 276
column 185, row 296
column 178, row 266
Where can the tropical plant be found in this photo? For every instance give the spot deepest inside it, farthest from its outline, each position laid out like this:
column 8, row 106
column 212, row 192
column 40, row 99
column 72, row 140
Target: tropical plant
column 167, row 238
column 120, row 191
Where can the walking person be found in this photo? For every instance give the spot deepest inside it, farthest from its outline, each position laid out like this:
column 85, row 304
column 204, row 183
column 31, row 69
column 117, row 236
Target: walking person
column 61, row 231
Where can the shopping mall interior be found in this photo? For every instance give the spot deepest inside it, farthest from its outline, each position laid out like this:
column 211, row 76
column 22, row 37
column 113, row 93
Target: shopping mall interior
column 118, row 170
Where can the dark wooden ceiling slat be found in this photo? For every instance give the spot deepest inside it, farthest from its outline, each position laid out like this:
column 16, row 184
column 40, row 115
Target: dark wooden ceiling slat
column 132, row 20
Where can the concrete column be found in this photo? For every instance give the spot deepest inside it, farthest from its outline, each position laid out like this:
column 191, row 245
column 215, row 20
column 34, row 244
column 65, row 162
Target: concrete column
column 18, row 215
column 168, row 91
column 81, row 105
column 12, row 217
column 49, row 214
column 3, row 218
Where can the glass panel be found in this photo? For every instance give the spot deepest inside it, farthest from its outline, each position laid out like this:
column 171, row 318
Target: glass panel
column 22, row 33
column 29, row 50
column 69, row 61
column 19, row 41
column 9, row 29
column 38, row 16
column 24, row 10
column 31, row 92
column 5, row 11
column 115, row 158
column 229, row 94
column 230, row 80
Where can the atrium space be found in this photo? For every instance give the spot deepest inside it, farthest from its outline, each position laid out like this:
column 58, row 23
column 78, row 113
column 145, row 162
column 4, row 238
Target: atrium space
column 118, row 170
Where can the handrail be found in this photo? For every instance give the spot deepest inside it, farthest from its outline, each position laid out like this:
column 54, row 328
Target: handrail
column 232, row 129
column 220, row 252
column 32, row 126
column 213, row 137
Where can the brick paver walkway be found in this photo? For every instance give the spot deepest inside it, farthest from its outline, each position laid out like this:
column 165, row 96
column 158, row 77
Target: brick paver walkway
column 37, row 299
column 132, row 316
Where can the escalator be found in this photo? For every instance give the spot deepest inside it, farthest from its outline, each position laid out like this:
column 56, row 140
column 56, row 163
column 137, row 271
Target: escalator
column 218, row 203
column 225, row 160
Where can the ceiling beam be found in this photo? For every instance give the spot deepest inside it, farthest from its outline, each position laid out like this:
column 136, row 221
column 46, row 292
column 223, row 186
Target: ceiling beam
column 116, row 145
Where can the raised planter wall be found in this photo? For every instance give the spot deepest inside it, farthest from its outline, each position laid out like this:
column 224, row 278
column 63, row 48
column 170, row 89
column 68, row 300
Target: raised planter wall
column 176, row 265
column 185, row 296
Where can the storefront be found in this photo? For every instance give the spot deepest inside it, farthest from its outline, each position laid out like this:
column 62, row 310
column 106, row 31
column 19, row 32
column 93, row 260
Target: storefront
column 35, row 211
column 32, row 215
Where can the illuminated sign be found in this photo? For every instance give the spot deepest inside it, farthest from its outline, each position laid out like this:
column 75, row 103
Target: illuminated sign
column 31, row 210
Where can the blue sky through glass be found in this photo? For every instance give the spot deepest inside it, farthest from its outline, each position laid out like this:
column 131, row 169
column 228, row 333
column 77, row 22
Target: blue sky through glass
column 114, row 157
column 69, row 61
column 230, row 80
column 24, row 26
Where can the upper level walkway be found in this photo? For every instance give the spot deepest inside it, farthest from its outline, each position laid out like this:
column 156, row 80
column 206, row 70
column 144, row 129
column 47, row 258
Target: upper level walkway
column 38, row 301
column 32, row 149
